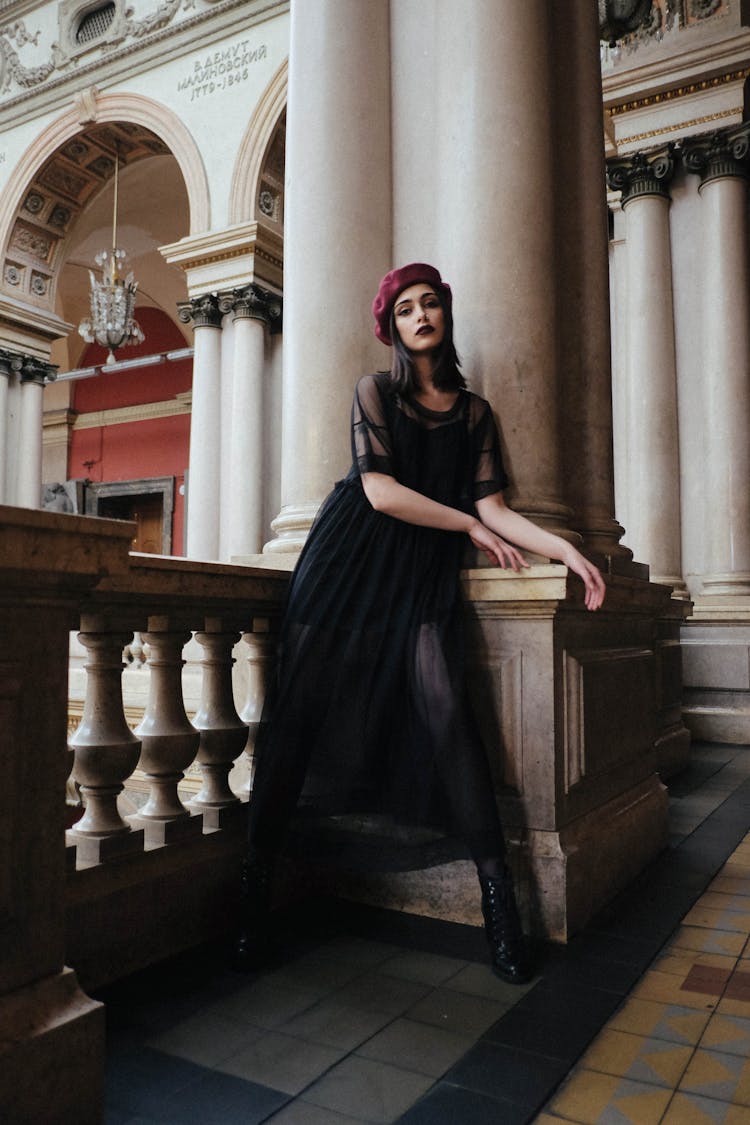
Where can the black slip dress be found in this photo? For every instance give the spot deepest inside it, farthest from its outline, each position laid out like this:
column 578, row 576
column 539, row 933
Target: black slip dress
column 368, row 710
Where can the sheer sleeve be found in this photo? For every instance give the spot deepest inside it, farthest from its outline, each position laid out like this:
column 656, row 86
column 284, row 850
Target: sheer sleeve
column 489, row 471
column 372, row 450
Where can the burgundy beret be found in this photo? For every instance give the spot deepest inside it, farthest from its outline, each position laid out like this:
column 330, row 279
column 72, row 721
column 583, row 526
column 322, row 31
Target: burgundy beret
column 393, row 283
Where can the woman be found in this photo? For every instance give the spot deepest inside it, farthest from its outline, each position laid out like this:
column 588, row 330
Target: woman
column 369, row 709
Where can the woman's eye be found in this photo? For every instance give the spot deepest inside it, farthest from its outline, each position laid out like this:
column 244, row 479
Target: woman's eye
column 404, row 311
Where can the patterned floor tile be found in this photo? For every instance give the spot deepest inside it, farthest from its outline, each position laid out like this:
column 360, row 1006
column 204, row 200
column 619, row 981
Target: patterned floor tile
column 731, row 885
column 667, row 989
column 681, row 961
column 639, row 1058
column 690, row 1109
column 701, row 940
column 671, row 1022
column 730, row 1034
column 734, row 921
column 735, row 869
column 714, row 1074
column 601, row 1099
column 738, row 986
column 721, row 900
column 549, row 1119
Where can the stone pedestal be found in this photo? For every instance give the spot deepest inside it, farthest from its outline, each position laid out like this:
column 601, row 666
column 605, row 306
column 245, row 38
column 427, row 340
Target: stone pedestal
column 573, row 708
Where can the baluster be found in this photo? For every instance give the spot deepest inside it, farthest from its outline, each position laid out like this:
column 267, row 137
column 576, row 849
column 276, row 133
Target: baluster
column 105, row 752
column 222, row 733
column 168, row 740
column 261, row 651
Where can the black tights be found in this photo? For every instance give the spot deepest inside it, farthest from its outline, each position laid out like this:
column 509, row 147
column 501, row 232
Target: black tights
column 446, row 721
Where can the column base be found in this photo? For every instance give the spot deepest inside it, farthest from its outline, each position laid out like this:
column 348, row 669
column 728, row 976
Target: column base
column 291, row 527
column 716, row 669
column 734, row 585
column 51, row 1053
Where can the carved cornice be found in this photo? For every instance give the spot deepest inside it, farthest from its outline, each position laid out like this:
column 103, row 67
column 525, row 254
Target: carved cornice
column 682, row 91
column 255, row 303
column 722, row 153
column 642, row 174
column 205, row 311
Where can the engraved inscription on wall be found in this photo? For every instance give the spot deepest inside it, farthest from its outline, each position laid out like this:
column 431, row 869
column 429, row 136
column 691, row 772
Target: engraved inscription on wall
column 221, row 70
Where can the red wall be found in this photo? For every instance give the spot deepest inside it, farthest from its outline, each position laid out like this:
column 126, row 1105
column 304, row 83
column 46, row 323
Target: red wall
column 157, row 447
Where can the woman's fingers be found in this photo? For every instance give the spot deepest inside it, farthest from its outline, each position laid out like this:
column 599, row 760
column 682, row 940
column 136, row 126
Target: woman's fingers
column 594, row 583
column 496, row 549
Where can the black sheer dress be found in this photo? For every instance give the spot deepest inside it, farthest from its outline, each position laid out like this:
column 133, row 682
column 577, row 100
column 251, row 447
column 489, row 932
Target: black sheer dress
column 368, row 711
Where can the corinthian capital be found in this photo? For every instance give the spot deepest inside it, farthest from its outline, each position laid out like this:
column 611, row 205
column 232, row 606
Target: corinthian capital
column 643, row 173
column 203, row 311
column 257, row 303
column 723, row 153
column 28, row 368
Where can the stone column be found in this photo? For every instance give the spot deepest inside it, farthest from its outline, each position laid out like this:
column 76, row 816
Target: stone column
column 653, row 484
column 204, row 479
column 495, row 223
column 337, row 240
column 33, row 374
column 582, row 264
column 5, row 373
column 253, row 308
column 721, row 160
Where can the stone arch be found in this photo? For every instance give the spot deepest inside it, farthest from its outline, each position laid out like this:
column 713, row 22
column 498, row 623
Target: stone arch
column 253, row 148
column 146, row 128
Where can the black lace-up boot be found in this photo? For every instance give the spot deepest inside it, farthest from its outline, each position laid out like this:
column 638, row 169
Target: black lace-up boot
column 508, row 949
column 253, row 945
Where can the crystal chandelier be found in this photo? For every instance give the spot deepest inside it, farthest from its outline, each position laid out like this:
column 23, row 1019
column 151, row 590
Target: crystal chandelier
column 111, row 323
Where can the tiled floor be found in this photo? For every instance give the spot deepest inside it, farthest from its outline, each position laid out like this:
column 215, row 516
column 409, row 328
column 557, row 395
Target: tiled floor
column 373, row 1017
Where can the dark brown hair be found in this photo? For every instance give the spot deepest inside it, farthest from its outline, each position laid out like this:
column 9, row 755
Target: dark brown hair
column 446, row 375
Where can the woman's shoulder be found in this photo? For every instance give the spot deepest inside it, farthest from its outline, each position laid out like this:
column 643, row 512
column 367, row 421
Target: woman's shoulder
column 478, row 407
column 377, row 383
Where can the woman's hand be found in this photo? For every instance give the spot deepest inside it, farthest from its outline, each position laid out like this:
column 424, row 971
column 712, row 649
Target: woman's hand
column 496, row 549
column 590, row 575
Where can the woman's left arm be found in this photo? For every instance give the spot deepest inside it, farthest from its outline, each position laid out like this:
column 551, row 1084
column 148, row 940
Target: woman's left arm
column 495, row 514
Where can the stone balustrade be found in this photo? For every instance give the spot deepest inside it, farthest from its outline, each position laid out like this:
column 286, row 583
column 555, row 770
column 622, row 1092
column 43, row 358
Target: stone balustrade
column 132, row 888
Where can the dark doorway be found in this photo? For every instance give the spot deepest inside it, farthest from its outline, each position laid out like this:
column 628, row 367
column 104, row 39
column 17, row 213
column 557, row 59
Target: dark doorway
column 148, row 503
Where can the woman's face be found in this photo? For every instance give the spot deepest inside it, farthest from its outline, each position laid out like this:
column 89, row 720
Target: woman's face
column 419, row 318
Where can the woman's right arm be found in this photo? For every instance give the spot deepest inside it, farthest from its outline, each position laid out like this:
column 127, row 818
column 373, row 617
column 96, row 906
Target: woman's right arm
column 386, row 495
